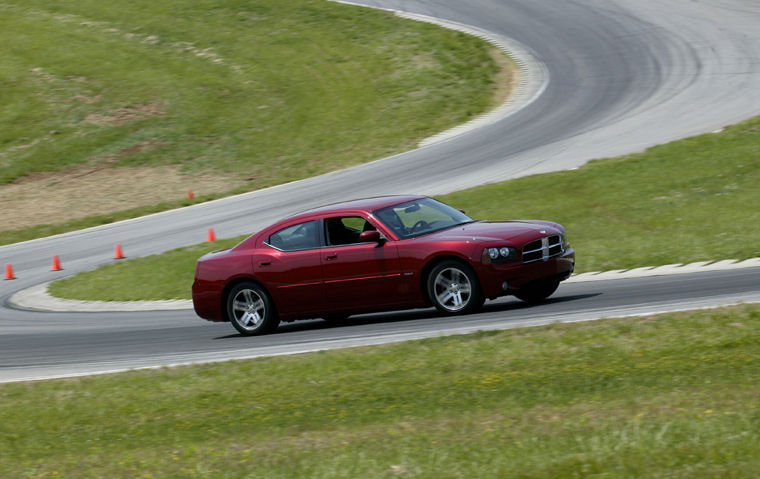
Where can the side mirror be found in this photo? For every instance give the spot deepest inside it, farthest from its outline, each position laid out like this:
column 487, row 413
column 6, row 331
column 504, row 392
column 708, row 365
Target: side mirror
column 371, row 237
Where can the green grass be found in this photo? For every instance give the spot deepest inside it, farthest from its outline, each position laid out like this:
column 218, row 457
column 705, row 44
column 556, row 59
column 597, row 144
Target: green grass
column 273, row 91
column 691, row 200
column 149, row 278
column 667, row 396
column 695, row 199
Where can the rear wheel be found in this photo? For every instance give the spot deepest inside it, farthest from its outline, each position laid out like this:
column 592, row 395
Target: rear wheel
column 250, row 309
column 453, row 288
column 538, row 291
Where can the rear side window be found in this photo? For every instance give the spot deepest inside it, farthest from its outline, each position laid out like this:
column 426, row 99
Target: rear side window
column 297, row 237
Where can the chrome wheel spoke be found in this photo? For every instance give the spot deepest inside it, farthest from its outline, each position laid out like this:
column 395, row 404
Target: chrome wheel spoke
column 248, row 297
column 444, row 297
column 457, row 296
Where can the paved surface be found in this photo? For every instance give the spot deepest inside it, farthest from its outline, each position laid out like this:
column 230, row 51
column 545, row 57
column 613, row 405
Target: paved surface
column 621, row 76
column 37, row 297
column 42, row 345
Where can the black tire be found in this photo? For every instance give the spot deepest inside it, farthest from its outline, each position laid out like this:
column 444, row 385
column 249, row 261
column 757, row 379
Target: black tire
column 453, row 288
column 250, row 309
column 538, row 291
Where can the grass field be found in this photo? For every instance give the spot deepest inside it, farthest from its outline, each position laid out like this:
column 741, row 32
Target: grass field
column 225, row 95
column 691, row 200
column 667, row 396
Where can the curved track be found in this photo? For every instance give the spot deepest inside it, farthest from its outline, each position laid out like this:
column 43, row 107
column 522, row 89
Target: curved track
column 621, row 77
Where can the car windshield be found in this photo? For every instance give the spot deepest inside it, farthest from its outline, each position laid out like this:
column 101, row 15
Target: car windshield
column 419, row 217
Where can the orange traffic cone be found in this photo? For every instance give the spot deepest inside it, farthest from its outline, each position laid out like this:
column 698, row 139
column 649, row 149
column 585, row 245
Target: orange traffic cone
column 210, row 235
column 117, row 254
column 9, row 272
column 56, row 266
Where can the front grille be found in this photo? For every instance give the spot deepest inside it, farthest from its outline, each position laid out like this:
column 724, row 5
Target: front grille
column 543, row 248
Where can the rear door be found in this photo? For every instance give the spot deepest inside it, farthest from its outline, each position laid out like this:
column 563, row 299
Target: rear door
column 290, row 266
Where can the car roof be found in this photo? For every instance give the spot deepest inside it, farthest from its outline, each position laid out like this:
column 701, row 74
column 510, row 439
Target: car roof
column 366, row 204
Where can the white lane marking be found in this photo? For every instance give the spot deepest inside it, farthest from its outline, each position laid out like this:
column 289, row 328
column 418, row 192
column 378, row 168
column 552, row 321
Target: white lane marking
column 668, row 269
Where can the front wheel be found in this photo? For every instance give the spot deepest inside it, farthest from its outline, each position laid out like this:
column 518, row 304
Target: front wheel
column 453, row 288
column 537, row 292
column 250, row 310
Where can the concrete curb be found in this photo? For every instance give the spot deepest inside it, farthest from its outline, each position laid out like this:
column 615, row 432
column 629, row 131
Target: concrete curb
column 37, row 297
column 666, row 270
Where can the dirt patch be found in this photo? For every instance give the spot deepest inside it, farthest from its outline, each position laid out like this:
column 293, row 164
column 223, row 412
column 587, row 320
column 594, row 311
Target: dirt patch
column 48, row 198
column 53, row 177
column 87, row 100
column 139, row 148
column 119, row 116
column 507, row 79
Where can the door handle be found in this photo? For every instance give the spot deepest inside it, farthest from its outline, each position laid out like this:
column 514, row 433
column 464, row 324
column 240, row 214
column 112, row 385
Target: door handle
column 265, row 263
column 331, row 257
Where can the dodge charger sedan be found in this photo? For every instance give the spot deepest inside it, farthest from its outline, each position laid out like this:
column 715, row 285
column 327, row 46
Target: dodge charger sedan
column 378, row 254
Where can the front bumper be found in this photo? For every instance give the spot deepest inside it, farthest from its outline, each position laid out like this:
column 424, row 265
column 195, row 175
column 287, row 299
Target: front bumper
column 493, row 276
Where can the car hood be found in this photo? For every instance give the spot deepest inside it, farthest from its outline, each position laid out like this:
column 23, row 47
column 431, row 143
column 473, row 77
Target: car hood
column 517, row 231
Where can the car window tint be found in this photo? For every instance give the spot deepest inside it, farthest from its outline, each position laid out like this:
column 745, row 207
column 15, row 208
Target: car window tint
column 345, row 229
column 296, row 237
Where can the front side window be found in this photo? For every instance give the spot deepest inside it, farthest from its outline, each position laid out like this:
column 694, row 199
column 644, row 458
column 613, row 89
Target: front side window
column 297, row 237
column 345, row 229
column 419, row 217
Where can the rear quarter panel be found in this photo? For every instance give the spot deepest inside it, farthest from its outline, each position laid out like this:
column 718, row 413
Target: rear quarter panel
column 212, row 273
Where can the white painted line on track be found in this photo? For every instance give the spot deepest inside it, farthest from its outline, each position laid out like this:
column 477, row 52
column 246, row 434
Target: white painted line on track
column 669, row 269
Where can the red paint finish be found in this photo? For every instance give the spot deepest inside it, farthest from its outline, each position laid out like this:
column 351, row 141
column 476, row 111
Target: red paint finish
column 314, row 264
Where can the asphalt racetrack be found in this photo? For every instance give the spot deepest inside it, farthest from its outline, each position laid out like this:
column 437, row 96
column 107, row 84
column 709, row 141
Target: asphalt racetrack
column 616, row 77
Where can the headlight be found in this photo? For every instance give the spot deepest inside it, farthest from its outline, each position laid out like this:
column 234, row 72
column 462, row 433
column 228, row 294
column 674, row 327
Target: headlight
column 498, row 255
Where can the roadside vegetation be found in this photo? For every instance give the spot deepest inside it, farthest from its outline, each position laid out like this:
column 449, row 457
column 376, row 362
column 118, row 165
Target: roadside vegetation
column 114, row 110
column 690, row 200
column 664, row 396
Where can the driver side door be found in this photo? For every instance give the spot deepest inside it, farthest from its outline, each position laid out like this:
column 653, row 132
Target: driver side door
column 359, row 276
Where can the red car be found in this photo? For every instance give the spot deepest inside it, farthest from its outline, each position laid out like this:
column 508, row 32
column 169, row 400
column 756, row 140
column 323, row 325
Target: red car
column 378, row 254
